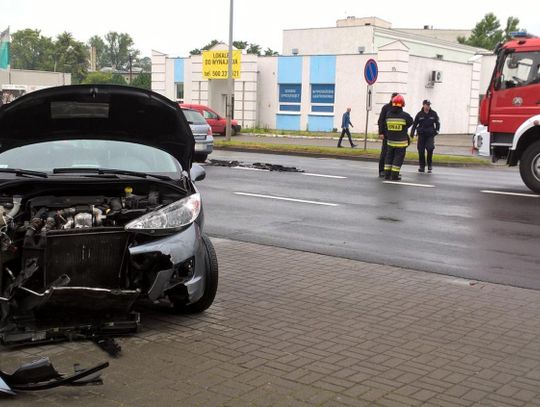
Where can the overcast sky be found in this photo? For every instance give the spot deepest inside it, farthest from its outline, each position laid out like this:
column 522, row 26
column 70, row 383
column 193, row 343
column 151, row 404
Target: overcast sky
column 176, row 27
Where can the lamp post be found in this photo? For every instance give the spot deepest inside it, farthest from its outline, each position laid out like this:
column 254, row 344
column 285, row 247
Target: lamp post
column 230, row 83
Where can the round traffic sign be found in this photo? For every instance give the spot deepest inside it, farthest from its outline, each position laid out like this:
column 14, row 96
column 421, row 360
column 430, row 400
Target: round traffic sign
column 371, row 71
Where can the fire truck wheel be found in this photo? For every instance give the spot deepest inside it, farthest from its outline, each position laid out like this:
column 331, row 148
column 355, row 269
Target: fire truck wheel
column 529, row 167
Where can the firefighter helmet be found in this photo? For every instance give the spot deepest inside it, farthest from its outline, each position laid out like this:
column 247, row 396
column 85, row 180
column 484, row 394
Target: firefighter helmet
column 398, row 101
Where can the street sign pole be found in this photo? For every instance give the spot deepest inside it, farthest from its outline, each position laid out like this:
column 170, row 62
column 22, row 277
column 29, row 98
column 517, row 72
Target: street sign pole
column 371, row 72
column 230, row 82
column 369, row 98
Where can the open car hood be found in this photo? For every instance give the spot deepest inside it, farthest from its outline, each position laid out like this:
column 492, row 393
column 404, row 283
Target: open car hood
column 105, row 112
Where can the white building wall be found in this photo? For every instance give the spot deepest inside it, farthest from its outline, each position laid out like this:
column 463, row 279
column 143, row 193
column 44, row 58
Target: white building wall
column 267, row 92
column 159, row 66
column 34, row 79
column 332, row 40
column 487, row 65
column 450, row 99
column 351, row 91
column 393, row 63
column 420, row 47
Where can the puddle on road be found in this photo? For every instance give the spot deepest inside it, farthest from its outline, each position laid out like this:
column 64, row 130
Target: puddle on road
column 258, row 166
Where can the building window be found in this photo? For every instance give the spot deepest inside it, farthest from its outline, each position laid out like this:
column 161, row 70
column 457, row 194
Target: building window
column 290, row 97
column 179, row 91
column 322, row 98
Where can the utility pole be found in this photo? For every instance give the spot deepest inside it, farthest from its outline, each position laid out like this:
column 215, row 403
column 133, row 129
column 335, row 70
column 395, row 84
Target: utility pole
column 230, row 82
column 130, row 69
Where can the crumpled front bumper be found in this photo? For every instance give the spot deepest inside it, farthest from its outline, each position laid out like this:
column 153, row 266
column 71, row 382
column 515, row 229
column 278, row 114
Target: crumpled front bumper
column 63, row 311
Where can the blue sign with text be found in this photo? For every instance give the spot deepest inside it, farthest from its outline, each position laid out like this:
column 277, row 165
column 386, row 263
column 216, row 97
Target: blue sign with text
column 322, row 93
column 290, row 93
column 371, row 71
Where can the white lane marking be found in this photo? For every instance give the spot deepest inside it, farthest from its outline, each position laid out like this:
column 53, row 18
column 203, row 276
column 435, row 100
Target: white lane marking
column 409, row 184
column 310, row 174
column 282, row 198
column 250, row 169
column 486, row 191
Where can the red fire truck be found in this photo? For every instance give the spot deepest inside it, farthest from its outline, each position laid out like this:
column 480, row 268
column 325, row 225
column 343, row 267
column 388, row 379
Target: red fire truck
column 511, row 107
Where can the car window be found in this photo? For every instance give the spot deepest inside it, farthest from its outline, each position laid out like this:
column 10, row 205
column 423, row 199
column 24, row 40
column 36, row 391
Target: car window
column 193, row 117
column 90, row 153
column 520, row 69
column 209, row 115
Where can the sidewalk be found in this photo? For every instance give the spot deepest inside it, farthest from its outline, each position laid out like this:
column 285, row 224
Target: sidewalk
column 445, row 144
column 291, row 328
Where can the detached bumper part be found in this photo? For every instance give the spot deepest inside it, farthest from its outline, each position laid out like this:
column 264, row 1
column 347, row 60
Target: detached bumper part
column 41, row 375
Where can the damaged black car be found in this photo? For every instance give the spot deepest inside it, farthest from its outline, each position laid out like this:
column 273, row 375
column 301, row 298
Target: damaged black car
column 98, row 211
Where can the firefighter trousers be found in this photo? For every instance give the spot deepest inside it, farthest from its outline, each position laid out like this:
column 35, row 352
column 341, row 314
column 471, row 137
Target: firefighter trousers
column 394, row 159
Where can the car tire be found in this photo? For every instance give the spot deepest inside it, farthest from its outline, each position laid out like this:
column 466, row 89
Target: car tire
column 200, row 158
column 211, row 282
column 529, row 167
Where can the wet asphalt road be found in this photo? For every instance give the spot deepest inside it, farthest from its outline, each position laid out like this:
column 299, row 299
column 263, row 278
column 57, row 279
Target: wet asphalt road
column 446, row 224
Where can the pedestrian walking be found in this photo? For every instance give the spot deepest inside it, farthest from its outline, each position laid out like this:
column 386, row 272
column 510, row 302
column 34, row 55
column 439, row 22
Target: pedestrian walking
column 345, row 123
column 382, row 129
column 397, row 123
column 427, row 125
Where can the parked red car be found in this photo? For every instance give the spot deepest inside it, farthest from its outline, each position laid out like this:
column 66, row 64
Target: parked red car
column 214, row 119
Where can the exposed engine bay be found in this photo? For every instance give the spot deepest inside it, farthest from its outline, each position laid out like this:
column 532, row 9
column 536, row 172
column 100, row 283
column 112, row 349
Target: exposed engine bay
column 66, row 260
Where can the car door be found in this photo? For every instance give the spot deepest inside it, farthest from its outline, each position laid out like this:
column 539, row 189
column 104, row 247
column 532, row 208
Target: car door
column 214, row 121
column 517, row 95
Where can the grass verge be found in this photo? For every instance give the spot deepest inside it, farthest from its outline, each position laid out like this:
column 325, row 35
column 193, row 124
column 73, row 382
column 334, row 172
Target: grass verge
column 259, row 130
column 340, row 152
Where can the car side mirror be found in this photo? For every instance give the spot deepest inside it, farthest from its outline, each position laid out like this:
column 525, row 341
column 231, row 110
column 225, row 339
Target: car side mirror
column 197, row 173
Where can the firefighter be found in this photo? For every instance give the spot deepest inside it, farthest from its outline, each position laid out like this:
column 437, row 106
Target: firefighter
column 427, row 124
column 396, row 125
column 381, row 123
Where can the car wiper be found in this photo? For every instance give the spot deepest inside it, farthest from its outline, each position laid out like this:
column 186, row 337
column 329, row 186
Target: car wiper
column 100, row 171
column 22, row 172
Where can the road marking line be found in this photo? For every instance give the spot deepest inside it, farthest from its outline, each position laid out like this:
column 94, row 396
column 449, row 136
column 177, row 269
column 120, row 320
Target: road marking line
column 281, row 198
column 250, row 169
column 409, row 184
column 486, row 191
column 323, row 175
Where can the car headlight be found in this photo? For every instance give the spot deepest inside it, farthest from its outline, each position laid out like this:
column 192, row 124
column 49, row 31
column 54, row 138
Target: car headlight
column 169, row 218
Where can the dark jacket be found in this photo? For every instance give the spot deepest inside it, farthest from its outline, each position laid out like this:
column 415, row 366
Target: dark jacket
column 397, row 123
column 382, row 118
column 346, row 120
column 426, row 124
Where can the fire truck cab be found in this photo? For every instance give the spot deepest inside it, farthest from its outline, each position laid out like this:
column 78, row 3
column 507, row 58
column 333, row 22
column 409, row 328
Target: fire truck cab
column 511, row 107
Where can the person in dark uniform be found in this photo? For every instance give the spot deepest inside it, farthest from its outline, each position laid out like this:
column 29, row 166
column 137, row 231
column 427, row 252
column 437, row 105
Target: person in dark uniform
column 397, row 123
column 427, row 125
column 345, row 123
column 382, row 128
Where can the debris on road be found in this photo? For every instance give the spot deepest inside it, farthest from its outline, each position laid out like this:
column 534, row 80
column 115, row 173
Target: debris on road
column 258, row 166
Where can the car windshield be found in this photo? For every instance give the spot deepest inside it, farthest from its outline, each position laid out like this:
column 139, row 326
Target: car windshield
column 194, row 117
column 75, row 154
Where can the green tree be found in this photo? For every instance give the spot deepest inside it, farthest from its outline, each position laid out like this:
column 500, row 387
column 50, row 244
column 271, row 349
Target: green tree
column 145, row 63
column 254, row 49
column 31, row 50
column 488, row 33
column 119, row 47
column 143, row 80
column 198, row 51
column 102, row 57
column 240, row 44
column 104, row 78
column 269, row 52
column 71, row 56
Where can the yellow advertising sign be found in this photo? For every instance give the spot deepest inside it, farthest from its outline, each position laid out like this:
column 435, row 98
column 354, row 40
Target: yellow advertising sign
column 215, row 64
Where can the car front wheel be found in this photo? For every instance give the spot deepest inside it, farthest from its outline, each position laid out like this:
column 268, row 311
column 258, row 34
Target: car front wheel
column 529, row 167
column 211, row 282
